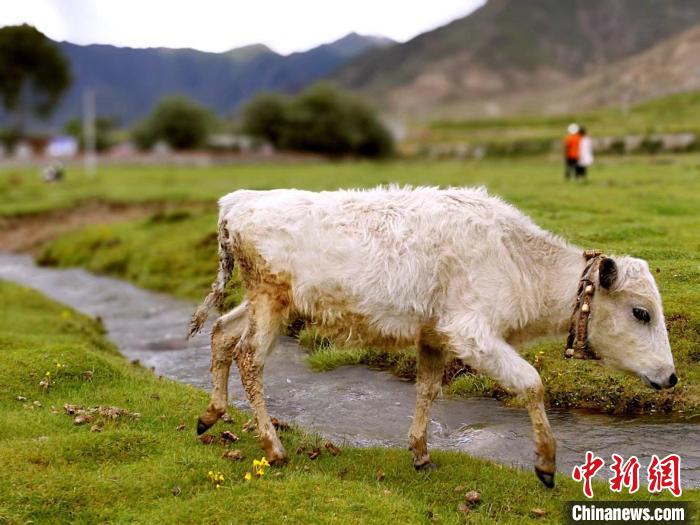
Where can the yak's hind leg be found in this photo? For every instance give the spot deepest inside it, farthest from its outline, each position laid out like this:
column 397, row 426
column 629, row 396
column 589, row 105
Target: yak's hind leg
column 265, row 325
column 225, row 335
column 431, row 366
column 500, row 361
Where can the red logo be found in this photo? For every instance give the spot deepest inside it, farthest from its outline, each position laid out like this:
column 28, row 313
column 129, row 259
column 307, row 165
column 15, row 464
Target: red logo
column 661, row 474
column 665, row 474
column 625, row 474
column 586, row 471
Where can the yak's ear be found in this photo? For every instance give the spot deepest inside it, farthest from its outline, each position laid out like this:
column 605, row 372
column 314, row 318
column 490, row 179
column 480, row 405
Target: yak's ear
column 607, row 273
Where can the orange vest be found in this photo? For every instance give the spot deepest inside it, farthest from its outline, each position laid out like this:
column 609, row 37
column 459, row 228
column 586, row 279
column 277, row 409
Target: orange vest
column 571, row 145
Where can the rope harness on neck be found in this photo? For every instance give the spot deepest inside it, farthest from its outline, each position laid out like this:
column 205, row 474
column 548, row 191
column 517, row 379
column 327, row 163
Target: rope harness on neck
column 577, row 342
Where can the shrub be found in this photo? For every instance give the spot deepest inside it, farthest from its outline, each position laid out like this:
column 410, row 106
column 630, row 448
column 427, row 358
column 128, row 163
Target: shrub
column 180, row 122
column 104, row 131
column 322, row 120
column 265, row 117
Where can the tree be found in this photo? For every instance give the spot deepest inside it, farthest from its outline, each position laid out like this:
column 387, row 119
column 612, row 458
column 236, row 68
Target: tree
column 321, row 119
column 265, row 117
column 33, row 73
column 104, row 128
column 180, row 122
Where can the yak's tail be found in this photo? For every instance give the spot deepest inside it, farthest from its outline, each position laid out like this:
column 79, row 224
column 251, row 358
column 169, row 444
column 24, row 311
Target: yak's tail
column 218, row 288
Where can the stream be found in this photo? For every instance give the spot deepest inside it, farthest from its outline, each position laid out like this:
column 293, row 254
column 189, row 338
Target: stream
column 352, row 404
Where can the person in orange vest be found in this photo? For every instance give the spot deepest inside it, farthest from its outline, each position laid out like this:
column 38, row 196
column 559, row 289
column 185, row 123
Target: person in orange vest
column 572, row 144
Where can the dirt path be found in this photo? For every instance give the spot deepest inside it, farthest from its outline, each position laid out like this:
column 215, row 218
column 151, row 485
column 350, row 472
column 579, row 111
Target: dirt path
column 27, row 233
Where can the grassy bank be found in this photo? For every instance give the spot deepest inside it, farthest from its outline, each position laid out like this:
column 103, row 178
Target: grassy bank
column 140, row 468
column 672, row 114
column 643, row 208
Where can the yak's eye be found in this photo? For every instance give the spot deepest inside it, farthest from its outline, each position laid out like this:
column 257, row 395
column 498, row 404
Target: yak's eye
column 641, row 315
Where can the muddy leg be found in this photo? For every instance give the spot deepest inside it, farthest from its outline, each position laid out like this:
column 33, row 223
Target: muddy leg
column 259, row 338
column 545, row 445
column 502, row 363
column 431, row 366
column 225, row 335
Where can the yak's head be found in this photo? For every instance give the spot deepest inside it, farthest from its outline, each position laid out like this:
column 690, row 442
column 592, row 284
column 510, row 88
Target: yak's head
column 627, row 329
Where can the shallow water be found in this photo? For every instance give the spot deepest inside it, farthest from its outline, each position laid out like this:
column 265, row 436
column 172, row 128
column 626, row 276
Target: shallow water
column 351, row 404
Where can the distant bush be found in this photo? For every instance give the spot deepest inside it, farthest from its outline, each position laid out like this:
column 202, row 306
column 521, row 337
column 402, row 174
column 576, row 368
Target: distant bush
column 322, row 120
column 104, row 130
column 176, row 120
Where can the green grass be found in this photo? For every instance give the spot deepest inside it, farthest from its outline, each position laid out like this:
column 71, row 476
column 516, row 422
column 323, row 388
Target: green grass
column 672, row 114
column 143, row 470
column 647, row 208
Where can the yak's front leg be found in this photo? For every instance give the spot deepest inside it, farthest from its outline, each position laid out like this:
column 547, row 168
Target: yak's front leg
column 545, row 444
column 263, row 329
column 500, row 361
column 225, row 335
column 431, row 366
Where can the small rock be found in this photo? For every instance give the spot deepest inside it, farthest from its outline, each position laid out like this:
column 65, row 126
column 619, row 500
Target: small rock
column 472, row 497
column 87, row 375
column 82, row 419
column 207, row 439
column 42, row 438
column 464, row 508
column 538, row 512
column 458, row 488
column 226, row 418
column 234, row 455
column 71, row 409
column 111, row 412
column 162, row 418
column 330, row 447
column 181, row 426
column 95, row 428
column 314, row 453
column 21, row 398
column 229, row 436
column 37, row 403
column 380, row 475
column 176, row 491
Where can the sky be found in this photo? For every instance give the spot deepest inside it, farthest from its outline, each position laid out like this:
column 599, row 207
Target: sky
column 218, row 25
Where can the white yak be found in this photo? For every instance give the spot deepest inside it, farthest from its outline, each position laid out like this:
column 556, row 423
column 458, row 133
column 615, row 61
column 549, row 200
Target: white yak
column 456, row 272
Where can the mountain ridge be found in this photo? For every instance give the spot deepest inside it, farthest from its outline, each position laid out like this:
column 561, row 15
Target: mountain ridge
column 129, row 81
column 508, row 46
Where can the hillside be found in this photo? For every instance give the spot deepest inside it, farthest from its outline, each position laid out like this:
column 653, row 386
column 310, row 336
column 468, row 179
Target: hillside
column 510, row 46
column 128, row 81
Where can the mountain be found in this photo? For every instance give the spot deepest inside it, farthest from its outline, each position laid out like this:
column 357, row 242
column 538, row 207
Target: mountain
column 511, row 46
column 128, row 81
column 670, row 67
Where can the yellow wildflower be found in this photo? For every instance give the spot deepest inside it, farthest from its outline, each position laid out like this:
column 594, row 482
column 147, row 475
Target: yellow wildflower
column 248, row 476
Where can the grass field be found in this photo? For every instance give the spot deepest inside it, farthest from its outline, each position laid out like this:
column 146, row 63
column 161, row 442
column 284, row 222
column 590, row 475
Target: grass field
column 672, row 114
column 142, row 469
column 647, row 208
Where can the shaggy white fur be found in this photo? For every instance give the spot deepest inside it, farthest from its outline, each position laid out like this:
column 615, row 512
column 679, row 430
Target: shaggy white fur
column 473, row 266
column 455, row 271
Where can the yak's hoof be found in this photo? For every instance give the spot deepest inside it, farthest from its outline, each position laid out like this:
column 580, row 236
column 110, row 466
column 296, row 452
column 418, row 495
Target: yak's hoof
column 280, row 461
column 545, row 477
column 202, row 427
column 425, row 467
